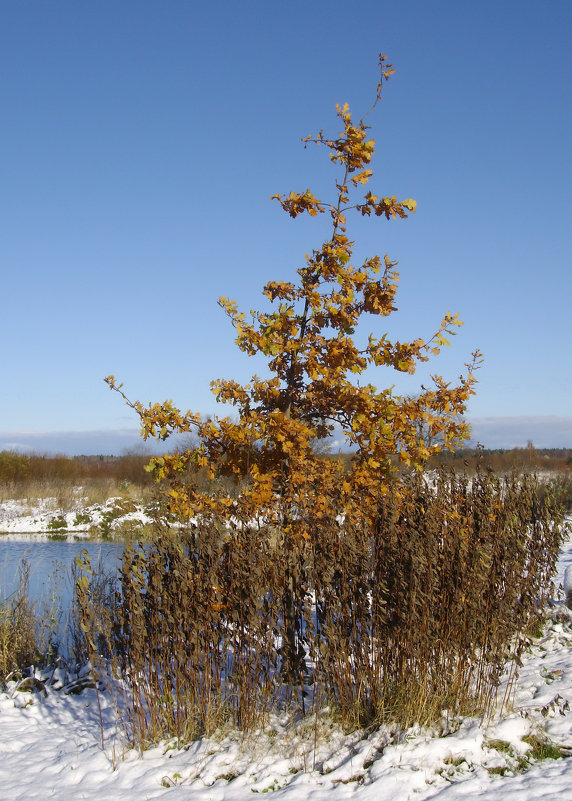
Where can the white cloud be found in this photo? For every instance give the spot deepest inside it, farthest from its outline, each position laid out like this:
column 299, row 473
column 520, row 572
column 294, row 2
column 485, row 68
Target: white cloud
column 516, row 432
column 74, row 442
column 491, row 432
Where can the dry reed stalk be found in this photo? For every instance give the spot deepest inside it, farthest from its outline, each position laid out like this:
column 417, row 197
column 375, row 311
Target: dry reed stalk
column 418, row 613
column 19, row 642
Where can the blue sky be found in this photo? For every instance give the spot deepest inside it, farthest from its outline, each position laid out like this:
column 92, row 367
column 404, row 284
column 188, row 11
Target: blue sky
column 140, row 143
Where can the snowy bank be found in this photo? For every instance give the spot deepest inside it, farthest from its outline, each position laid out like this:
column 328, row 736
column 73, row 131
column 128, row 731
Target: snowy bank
column 51, row 747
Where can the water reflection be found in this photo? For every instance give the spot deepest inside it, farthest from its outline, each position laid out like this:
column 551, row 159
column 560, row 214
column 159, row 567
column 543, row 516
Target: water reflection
column 50, row 564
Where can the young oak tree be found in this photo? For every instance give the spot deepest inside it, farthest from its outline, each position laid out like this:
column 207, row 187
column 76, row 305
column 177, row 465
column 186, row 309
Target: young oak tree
column 307, row 336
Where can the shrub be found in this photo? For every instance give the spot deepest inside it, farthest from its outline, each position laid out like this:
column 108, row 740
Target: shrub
column 313, row 361
column 318, row 580
column 420, row 614
column 561, row 488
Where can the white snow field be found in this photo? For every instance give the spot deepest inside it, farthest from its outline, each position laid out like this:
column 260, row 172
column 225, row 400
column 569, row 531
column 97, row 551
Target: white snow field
column 43, row 516
column 51, row 748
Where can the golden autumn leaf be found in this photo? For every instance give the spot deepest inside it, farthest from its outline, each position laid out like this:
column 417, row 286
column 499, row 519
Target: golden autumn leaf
column 264, row 462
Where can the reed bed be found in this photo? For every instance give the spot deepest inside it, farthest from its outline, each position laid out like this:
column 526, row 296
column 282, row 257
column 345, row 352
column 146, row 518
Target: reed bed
column 70, row 481
column 28, row 629
column 64, row 496
column 420, row 613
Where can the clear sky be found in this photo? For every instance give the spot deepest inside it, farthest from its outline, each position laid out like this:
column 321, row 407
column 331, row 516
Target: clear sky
column 140, row 143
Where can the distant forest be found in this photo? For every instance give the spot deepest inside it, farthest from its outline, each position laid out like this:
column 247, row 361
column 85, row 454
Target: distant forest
column 18, row 467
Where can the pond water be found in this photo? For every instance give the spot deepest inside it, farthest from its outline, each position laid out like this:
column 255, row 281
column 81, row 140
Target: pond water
column 50, row 563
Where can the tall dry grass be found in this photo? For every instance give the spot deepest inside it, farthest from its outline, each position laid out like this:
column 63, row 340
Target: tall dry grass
column 28, row 628
column 424, row 613
column 72, row 481
column 419, row 614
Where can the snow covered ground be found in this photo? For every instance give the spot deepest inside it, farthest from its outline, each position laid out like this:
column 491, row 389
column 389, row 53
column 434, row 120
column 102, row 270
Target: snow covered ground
column 43, row 516
column 51, row 748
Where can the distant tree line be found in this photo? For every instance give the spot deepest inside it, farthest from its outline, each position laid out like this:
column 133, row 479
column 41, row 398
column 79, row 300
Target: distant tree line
column 19, row 467
column 22, row 467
